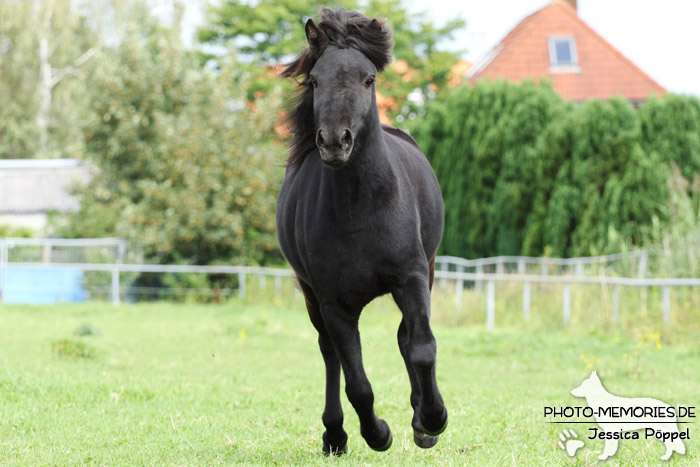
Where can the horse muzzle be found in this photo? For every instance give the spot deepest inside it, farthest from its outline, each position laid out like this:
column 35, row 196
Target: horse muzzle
column 335, row 146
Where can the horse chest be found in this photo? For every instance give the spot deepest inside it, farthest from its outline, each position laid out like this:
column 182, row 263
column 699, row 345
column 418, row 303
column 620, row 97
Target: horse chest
column 347, row 259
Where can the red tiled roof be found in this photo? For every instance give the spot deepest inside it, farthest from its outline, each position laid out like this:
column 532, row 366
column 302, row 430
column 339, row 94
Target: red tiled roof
column 603, row 71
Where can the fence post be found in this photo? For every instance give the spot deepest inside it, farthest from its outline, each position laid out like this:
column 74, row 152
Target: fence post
column 121, row 251
column 46, row 253
column 667, row 304
column 241, row 285
column 490, row 305
column 642, row 266
column 500, row 267
column 616, row 303
column 478, row 283
column 3, row 269
column 579, row 269
column 459, row 287
column 444, row 266
column 526, row 300
column 115, row 286
column 521, row 266
column 544, row 268
column 566, row 303
column 278, row 286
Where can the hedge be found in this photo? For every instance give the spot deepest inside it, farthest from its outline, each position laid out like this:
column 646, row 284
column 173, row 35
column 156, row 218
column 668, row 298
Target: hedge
column 523, row 171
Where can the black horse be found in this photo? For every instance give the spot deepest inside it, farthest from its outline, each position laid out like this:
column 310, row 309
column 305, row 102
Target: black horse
column 359, row 215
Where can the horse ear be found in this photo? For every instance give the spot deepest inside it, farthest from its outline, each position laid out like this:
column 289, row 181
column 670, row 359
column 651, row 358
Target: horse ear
column 317, row 39
column 377, row 23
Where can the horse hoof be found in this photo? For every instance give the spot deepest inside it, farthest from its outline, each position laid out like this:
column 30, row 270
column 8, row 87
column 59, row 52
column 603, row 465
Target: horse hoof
column 424, row 440
column 433, row 432
column 384, row 446
column 380, row 444
column 334, row 451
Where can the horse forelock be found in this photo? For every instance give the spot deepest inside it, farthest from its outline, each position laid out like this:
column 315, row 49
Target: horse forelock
column 344, row 29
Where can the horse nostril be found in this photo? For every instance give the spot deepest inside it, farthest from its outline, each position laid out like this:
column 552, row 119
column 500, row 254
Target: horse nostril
column 346, row 140
column 319, row 139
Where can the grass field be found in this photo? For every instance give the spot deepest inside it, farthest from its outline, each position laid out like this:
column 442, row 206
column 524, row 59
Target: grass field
column 242, row 383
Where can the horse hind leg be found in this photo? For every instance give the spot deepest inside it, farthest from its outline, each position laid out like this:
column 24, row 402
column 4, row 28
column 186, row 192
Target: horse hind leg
column 334, row 438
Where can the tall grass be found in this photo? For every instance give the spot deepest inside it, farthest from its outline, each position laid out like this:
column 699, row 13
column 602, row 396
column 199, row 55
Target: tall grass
column 679, row 240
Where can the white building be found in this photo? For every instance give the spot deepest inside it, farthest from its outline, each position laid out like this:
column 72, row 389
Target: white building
column 30, row 189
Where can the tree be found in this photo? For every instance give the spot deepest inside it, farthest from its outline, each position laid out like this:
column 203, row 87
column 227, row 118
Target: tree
column 670, row 127
column 524, row 172
column 481, row 142
column 272, row 31
column 188, row 169
column 43, row 46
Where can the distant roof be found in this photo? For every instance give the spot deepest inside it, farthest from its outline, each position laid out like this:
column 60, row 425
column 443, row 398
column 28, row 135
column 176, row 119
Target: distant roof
column 38, row 163
column 29, row 186
column 601, row 71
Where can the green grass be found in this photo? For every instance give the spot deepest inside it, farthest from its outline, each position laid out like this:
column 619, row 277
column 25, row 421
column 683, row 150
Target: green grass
column 167, row 384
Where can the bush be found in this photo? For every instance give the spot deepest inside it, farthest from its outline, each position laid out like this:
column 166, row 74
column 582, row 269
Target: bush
column 20, row 232
column 72, row 348
column 188, row 168
column 524, row 172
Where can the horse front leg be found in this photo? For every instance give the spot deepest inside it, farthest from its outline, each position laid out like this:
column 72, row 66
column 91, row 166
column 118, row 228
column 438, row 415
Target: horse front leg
column 419, row 349
column 334, row 438
column 342, row 328
column 421, row 439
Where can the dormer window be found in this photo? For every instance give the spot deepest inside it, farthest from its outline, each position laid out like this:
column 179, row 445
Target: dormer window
column 562, row 51
column 562, row 54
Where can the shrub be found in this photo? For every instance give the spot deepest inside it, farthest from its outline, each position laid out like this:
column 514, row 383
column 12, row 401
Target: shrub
column 524, row 172
column 72, row 348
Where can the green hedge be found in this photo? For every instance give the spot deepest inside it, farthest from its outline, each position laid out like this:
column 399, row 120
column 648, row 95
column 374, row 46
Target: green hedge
column 525, row 172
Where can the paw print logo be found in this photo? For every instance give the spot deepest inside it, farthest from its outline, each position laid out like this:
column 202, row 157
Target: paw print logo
column 568, row 442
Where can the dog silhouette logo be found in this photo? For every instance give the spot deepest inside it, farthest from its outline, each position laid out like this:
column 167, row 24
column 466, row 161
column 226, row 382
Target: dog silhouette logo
column 624, row 417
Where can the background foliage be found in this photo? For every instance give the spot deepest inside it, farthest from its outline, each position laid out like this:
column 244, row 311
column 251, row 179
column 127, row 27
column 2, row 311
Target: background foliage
column 271, row 32
column 187, row 143
column 27, row 129
column 525, row 172
column 188, row 169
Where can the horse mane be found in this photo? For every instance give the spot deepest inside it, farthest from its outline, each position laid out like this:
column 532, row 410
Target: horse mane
column 344, row 29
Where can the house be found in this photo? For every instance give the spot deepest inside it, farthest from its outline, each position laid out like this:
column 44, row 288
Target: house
column 30, row 189
column 554, row 43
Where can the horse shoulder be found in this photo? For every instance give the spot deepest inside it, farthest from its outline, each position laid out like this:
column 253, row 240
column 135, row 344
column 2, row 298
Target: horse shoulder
column 399, row 134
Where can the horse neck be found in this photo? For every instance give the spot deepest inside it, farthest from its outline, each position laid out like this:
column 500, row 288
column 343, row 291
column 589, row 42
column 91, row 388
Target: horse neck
column 353, row 186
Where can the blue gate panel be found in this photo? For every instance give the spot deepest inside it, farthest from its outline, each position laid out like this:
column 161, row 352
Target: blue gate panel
column 44, row 286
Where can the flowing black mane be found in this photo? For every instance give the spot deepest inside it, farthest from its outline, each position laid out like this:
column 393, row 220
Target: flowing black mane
column 342, row 29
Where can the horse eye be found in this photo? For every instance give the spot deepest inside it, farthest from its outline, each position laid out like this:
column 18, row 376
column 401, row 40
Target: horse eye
column 313, row 82
column 370, row 81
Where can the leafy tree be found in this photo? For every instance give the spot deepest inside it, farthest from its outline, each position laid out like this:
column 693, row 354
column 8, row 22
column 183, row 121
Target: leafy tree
column 524, row 172
column 188, row 171
column 670, row 127
column 44, row 49
column 272, row 31
column 478, row 139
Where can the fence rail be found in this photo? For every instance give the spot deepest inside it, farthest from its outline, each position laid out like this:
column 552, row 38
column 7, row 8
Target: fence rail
column 541, row 259
column 62, row 250
column 460, row 279
column 520, row 263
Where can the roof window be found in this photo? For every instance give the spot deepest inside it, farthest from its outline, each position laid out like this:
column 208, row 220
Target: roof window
column 562, row 51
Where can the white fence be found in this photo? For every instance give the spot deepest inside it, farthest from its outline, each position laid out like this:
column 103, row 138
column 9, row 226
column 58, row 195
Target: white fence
column 460, row 280
column 544, row 265
column 61, row 250
column 566, row 280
